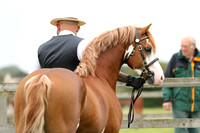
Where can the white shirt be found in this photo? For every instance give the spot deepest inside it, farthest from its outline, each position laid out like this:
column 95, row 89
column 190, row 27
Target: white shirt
column 81, row 46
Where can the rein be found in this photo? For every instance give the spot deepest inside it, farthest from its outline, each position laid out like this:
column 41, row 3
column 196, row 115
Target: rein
column 150, row 74
column 131, row 109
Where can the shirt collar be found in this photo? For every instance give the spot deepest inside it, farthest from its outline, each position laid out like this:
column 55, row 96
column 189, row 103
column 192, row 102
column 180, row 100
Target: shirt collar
column 66, row 32
column 196, row 54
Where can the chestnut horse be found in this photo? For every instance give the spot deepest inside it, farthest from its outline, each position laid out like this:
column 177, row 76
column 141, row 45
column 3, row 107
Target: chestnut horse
column 84, row 101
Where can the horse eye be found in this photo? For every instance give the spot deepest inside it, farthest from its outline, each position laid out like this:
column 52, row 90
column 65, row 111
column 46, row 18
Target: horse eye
column 147, row 49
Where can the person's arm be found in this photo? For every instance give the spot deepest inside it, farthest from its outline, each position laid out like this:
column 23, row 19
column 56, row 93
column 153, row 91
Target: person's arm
column 122, row 77
column 35, row 64
column 136, row 82
column 81, row 47
column 167, row 91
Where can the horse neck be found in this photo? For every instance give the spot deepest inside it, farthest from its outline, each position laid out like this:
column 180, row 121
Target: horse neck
column 109, row 64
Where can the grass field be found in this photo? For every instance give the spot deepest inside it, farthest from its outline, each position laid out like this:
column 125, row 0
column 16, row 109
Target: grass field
column 148, row 130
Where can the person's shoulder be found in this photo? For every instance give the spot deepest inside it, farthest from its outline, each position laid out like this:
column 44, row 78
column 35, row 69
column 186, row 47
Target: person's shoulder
column 52, row 38
column 175, row 55
column 45, row 43
column 78, row 37
column 197, row 52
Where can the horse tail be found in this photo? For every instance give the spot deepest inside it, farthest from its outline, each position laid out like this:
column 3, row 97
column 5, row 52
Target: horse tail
column 37, row 90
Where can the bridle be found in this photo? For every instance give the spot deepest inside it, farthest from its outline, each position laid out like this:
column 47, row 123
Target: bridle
column 149, row 74
column 129, row 54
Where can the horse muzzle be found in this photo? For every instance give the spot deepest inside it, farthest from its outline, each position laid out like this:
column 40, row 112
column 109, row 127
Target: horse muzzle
column 150, row 78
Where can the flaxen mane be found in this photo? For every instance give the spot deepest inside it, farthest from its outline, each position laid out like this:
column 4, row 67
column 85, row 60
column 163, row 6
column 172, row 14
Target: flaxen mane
column 123, row 35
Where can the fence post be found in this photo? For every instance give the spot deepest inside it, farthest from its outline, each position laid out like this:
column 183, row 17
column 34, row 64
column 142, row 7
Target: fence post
column 3, row 107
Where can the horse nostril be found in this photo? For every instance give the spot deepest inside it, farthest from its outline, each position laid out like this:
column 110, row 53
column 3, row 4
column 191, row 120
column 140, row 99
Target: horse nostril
column 162, row 78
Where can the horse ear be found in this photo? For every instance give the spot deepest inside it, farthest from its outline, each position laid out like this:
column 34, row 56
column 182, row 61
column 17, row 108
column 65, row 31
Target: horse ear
column 146, row 28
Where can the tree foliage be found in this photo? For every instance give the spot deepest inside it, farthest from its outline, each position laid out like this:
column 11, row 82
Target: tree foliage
column 14, row 71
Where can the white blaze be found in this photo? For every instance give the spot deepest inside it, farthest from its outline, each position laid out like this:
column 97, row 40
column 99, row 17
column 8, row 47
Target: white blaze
column 156, row 68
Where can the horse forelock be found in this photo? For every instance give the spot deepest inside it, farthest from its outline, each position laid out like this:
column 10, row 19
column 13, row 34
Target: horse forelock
column 109, row 39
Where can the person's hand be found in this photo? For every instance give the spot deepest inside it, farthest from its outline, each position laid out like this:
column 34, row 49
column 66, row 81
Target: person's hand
column 136, row 82
column 167, row 105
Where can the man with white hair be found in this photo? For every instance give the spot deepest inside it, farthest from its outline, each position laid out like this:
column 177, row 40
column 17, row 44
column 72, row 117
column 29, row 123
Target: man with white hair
column 185, row 101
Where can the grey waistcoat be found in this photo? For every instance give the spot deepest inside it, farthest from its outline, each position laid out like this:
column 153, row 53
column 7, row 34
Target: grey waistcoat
column 60, row 51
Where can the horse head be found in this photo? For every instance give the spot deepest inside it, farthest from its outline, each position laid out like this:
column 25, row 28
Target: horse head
column 141, row 55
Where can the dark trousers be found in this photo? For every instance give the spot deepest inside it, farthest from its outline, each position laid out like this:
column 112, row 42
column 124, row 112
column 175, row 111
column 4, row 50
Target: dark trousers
column 186, row 114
